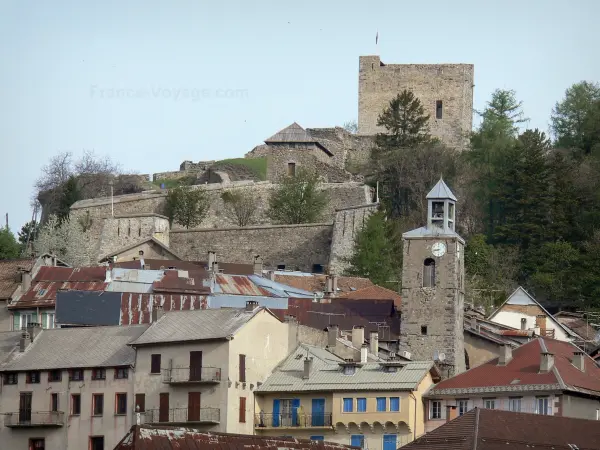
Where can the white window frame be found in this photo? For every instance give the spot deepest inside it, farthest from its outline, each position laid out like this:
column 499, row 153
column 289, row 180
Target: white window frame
column 21, row 321
column 512, row 401
column 51, row 320
column 432, row 409
column 489, row 401
column 463, row 405
column 546, row 401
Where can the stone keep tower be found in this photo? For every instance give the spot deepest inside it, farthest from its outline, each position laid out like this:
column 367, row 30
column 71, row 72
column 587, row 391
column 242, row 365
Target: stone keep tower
column 445, row 90
column 433, row 285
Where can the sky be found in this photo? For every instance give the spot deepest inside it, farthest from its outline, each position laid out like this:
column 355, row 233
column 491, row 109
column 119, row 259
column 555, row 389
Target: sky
column 153, row 83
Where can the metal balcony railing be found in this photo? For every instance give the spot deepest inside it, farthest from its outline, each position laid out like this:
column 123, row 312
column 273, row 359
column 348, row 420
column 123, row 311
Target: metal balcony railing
column 183, row 415
column 28, row 418
column 292, row 420
column 192, row 375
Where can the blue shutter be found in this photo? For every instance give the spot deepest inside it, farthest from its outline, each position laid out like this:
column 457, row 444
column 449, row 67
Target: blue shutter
column 318, row 412
column 361, row 404
column 389, row 442
column 276, row 407
column 348, row 405
column 358, row 440
column 394, row 404
column 381, row 404
column 317, row 438
column 295, row 406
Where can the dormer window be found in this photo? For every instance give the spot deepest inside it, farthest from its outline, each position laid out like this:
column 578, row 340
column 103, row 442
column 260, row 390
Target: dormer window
column 349, row 370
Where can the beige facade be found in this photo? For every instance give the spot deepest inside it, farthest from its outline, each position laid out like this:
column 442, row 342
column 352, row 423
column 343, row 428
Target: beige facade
column 479, row 350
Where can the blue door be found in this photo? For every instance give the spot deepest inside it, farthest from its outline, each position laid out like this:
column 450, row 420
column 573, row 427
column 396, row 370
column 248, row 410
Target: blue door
column 276, row 407
column 318, row 412
column 357, row 440
column 389, row 442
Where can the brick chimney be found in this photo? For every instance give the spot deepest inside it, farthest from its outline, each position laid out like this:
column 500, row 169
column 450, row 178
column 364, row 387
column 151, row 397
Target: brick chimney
column 374, row 342
column 157, row 313
column 308, row 362
column 332, row 335
column 451, row 412
column 505, row 355
column 251, row 305
column 358, row 336
column 547, row 362
column 579, row 360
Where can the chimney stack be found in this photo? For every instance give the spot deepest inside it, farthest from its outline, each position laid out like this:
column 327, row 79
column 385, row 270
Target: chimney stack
column 364, row 353
column 142, row 262
column 374, row 342
column 579, row 360
column 25, row 280
column 258, row 265
column 329, row 285
column 212, row 258
column 358, row 336
column 271, row 275
column 308, row 362
column 108, row 277
column 334, row 284
column 505, row 355
column 451, row 412
column 157, row 312
column 547, row 362
column 288, row 318
column 33, row 329
column 24, row 342
column 332, row 334
column 215, row 267
column 251, row 305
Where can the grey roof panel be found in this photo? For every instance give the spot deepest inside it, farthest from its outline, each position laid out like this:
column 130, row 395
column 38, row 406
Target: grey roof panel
column 88, row 308
column 64, row 348
column 431, row 232
column 441, row 190
column 9, row 340
column 239, row 301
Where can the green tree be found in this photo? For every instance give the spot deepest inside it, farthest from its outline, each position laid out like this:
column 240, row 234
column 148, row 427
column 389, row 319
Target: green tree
column 240, row 206
column 298, row 199
column 575, row 120
column 9, row 247
column 28, row 232
column 67, row 240
column 377, row 251
column 70, row 193
column 187, row 206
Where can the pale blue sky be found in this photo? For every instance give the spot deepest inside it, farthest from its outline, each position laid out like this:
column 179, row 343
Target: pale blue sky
column 291, row 61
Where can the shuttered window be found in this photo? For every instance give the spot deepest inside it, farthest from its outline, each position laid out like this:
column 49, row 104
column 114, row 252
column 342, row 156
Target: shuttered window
column 155, row 363
column 140, row 402
column 242, row 368
column 242, row 409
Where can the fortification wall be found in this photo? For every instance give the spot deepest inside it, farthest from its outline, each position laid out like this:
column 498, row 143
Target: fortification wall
column 452, row 84
column 348, row 222
column 121, row 231
column 297, row 247
column 350, row 151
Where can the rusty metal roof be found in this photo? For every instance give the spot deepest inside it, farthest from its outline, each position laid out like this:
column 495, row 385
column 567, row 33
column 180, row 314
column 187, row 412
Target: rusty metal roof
column 238, row 285
column 184, row 281
column 146, row 437
column 374, row 293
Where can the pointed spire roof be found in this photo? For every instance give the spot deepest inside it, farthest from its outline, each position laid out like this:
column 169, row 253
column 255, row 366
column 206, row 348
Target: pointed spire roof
column 295, row 134
column 441, row 190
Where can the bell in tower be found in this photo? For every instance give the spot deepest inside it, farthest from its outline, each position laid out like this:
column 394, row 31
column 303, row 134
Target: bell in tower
column 441, row 204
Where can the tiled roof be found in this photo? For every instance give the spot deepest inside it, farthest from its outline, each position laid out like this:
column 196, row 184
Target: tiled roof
column 64, row 348
column 146, row 437
column 197, row 325
column 315, row 282
column 523, row 372
column 9, row 275
column 493, row 429
column 374, row 293
column 578, row 325
column 327, row 374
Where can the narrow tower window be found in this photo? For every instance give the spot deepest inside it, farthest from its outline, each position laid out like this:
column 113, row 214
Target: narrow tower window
column 291, row 169
column 438, row 109
column 429, row 273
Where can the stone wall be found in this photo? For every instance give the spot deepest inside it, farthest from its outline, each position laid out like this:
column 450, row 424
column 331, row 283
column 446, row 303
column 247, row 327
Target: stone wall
column 122, row 231
column 297, row 247
column 348, row 222
column 450, row 83
column 350, row 151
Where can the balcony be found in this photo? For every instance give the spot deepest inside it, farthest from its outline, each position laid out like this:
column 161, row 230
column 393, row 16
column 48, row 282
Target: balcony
column 187, row 375
column 292, row 420
column 179, row 416
column 28, row 418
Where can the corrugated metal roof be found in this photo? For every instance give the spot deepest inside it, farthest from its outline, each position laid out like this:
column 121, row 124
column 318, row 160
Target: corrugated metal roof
column 137, row 308
column 237, row 285
column 327, row 375
column 277, row 289
column 182, row 326
column 374, row 293
column 441, row 191
column 146, row 437
column 64, row 348
column 315, row 282
column 184, row 281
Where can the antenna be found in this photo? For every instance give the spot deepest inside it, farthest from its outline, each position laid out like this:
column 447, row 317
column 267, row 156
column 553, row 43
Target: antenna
column 327, row 314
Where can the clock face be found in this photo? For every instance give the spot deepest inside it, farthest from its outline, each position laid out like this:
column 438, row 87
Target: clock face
column 438, row 249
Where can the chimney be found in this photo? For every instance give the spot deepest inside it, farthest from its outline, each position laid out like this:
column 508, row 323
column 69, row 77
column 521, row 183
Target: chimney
column 374, row 342
column 308, row 362
column 332, row 334
column 505, row 355
column 364, row 353
column 258, row 265
column 24, row 342
column 537, row 331
column 523, row 323
column 334, row 283
column 358, row 336
column 33, row 329
column 157, row 313
column 212, row 258
column 108, row 278
column 25, row 281
column 251, row 305
column 271, row 275
column 451, row 412
column 547, row 362
column 142, row 262
column 215, row 267
column 289, row 319
column 329, row 285
column 579, row 360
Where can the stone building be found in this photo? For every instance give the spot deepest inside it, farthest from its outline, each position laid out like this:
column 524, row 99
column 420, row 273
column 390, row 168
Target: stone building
column 433, row 285
column 445, row 90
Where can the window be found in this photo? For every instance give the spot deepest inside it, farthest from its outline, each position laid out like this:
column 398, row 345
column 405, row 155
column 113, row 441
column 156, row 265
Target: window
column 438, row 109
column 121, row 373
column 280, row 266
column 54, row 402
column 96, row 442
column 436, row 409
column 395, row 404
column 489, row 403
column 357, row 440
column 98, row 404
column 50, row 320
column 11, row 378
column 155, row 363
column 514, row 404
column 121, row 403
column 317, row 438
column 54, row 376
column 390, row 441
column 242, row 368
column 291, row 169
column 98, row 374
column 381, row 404
column 349, row 370
column 140, row 402
column 32, row 377
column 463, row 406
column 26, row 319
column 318, row 268
column 523, row 323
column 542, row 405
column 348, row 405
column 37, row 444
column 361, row 404
column 424, row 330
column 76, row 375
column 75, row 404
column 429, row 273
column 242, row 409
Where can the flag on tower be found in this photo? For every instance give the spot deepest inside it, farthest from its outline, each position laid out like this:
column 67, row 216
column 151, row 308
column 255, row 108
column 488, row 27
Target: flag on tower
column 377, row 38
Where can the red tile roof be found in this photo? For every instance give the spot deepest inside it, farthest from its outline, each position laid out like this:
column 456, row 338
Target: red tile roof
column 492, row 429
column 374, row 293
column 9, row 275
column 145, row 437
column 524, row 369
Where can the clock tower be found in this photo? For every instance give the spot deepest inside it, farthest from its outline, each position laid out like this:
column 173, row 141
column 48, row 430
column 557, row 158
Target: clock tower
column 433, row 286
